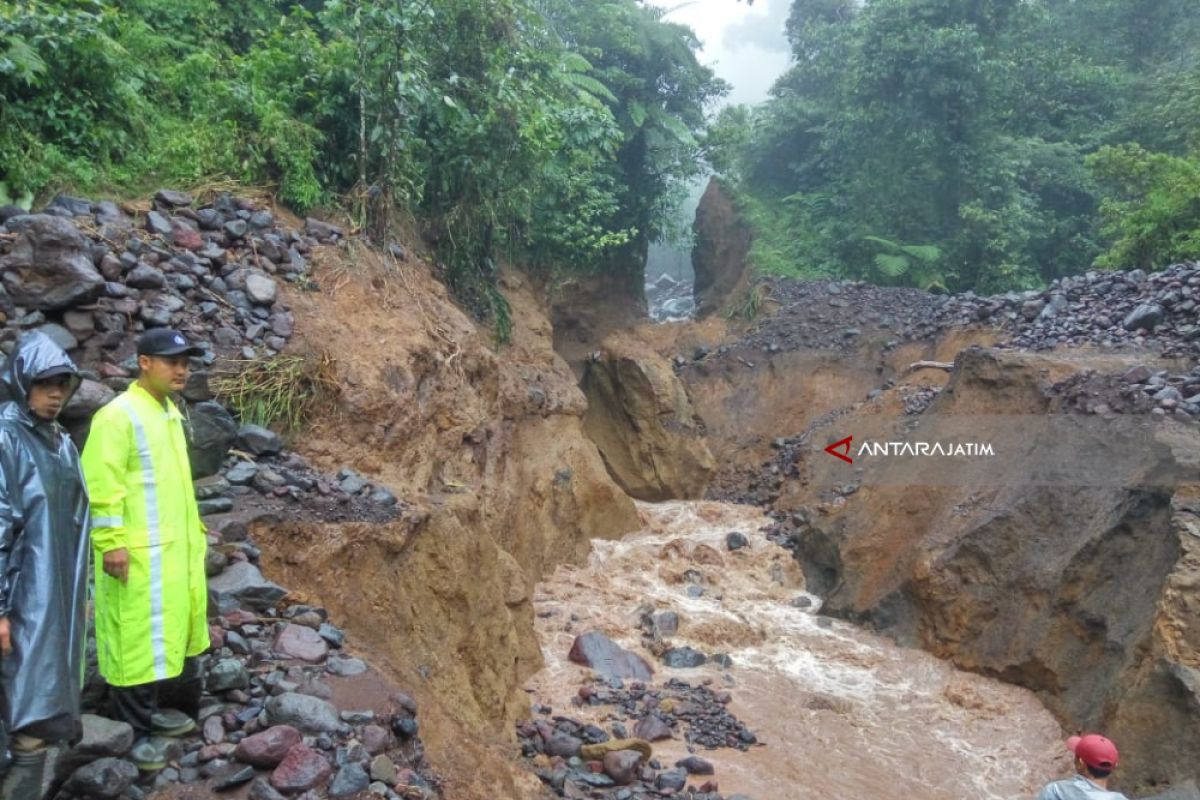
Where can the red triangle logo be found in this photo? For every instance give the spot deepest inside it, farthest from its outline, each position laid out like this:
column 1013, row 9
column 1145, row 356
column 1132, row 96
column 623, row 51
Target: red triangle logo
column 844, row 446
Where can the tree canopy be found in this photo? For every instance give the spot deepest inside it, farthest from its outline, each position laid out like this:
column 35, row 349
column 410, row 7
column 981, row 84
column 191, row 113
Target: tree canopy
column 546, row 131
column 989, row 144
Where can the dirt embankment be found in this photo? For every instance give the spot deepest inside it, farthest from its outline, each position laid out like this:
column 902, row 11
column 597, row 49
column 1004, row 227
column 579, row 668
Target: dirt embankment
column 486, row 448
column 1081, row 593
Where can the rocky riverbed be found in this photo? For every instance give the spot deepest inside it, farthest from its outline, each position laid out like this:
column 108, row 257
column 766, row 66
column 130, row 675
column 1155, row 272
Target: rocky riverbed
column 727, row 682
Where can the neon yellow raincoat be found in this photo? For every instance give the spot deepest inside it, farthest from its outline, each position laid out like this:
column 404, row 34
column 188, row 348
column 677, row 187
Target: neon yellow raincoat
column 140, row 482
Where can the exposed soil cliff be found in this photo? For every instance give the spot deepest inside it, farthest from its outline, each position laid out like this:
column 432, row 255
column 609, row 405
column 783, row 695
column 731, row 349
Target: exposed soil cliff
column 487, row 448
column 641, row 418
column 1083, row 593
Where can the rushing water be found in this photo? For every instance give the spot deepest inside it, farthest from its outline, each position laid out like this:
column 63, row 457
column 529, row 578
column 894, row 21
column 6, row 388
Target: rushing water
column 843, row 713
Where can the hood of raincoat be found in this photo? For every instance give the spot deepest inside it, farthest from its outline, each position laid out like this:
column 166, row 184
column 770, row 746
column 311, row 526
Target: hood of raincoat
column 35, row 353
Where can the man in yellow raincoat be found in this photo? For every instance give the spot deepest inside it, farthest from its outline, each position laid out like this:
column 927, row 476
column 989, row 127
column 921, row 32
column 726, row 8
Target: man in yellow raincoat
column 149, row 547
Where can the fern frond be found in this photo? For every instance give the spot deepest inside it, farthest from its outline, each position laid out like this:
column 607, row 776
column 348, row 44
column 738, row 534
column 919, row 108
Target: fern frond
column 892, row 266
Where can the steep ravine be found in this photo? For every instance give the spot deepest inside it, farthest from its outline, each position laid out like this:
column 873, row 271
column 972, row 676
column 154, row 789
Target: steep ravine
column 1083, row 594
column 488, row 450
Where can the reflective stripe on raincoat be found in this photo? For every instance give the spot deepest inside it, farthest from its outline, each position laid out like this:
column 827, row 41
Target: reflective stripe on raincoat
column 140, row 482
column 43, row 555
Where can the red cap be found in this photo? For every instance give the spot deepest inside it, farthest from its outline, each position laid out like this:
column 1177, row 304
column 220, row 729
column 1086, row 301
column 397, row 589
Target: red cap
column 1094, row 750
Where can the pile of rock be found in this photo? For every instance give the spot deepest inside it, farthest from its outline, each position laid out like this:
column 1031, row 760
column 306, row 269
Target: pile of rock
column 267, row 717
column 261, row 468
column 1157, row 311
column 579, row 759
column 1138, row 390
column 90, row 275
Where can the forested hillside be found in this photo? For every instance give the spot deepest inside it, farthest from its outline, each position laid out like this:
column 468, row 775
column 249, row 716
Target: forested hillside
column 545, row 130
column 987, row 145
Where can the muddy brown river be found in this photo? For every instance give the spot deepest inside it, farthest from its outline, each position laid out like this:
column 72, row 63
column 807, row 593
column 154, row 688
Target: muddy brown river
column 842, row 713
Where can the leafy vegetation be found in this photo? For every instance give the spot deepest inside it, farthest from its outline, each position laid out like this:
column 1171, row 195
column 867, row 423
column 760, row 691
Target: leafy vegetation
column 545, row 131
column 1015, row 141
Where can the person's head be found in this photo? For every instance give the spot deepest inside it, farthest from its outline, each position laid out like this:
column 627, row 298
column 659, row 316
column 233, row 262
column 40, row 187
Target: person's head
column 163, row 361
column 38, row 377
column 49, row 392
column 1095, row 756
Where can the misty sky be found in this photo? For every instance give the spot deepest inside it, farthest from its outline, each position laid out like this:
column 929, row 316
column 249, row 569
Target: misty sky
column 744, row 44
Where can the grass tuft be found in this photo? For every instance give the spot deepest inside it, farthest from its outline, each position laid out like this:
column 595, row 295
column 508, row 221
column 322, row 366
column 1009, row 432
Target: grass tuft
column 281, row 393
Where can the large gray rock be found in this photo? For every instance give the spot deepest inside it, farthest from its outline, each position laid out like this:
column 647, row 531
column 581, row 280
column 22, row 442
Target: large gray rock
column 144, row 276
column 241, row 584
column 227, row 674
column 594, row 649
column 305, row 713
column 259, row 441
column 157, row 312
column 77, row 206
column 350, row 779
column 1147, row 316
column 104, row 779
column 50, row 264
column 213, row 433
column 59, row 335
column 89, row 398
column 261, row 288
column 102, row 738
column 174, row 198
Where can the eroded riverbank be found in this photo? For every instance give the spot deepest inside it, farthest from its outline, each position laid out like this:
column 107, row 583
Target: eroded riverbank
column 839, row 712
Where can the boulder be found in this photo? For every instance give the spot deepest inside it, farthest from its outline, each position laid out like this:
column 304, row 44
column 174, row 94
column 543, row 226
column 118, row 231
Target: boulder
column 50, row 264
column 89, row 398
column 157, row 312
column 721, row 257
column 597, row 752
column 102, row 738
column 652, row 729
column 1147, row 316
column 242, row 584
column 302, row 769
column 76, row 206
column 641, row 418
column 103, row 779
column 302, row 643
column 258, row 441
column 306, row 713
column 261, row 288
column 227, row 674
column 594, row 649
column 267, row 749
column 622, row 766
column 59, row 335
column 322, row 231
column 683, row 658
column 350, row 779
column 213, row 433
column 175, row 199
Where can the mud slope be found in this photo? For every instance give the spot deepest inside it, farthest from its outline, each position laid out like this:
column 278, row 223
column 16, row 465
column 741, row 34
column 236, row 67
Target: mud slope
column 1083, row 594
column 486, row 452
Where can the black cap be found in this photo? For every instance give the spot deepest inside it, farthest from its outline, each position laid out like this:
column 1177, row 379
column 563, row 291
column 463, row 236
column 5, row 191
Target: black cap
column 166, row 342
column 54, row 372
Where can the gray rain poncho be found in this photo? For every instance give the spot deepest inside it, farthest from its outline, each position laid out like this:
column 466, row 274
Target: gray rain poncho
column 43, row 555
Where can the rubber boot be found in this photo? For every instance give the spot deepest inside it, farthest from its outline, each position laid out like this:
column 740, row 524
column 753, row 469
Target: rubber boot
column 23, row 781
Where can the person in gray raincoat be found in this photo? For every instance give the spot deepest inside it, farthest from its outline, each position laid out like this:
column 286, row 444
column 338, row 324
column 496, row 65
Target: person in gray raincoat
column 43, row 563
